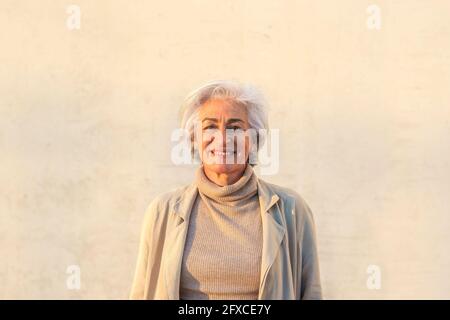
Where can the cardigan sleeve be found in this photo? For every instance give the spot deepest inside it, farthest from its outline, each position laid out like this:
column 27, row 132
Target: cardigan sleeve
column 311, row 288
column 138, row 286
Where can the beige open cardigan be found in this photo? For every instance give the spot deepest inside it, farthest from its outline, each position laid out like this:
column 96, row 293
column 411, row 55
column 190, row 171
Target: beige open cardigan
column 289, row 265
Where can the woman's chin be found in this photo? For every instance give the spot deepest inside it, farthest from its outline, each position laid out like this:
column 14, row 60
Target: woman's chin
column 225, row 168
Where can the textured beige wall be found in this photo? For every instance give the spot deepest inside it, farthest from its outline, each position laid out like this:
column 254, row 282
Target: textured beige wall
column 86, row 117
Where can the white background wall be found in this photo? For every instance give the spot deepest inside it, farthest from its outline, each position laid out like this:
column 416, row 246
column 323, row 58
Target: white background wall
column 86, row 117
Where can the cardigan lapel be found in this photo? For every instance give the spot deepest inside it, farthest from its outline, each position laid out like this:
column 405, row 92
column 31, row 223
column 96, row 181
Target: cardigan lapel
column 273, row 231
column 176, row 241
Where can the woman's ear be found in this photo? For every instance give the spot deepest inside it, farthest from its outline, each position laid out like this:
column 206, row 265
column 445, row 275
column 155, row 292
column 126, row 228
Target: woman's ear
column 257, row 141
column 195, row 152
column 253, row 152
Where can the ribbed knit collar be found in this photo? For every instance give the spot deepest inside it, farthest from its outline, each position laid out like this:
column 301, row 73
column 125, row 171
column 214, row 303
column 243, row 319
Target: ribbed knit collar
column 243, row 189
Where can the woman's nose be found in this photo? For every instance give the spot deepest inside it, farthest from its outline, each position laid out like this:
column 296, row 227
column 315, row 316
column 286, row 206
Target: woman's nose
column 227, row 138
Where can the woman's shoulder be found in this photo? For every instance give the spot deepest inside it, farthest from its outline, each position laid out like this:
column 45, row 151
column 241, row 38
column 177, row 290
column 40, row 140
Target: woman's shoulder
column 284, row 193
column 169, row 196
column 162, row 203
column 167, row 199
column 291, row 199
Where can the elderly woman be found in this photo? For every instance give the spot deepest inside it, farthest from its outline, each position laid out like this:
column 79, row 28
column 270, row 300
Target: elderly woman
column 229, row 234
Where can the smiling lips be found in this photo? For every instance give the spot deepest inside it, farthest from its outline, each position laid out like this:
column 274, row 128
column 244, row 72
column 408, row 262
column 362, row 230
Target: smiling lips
column 222, row 153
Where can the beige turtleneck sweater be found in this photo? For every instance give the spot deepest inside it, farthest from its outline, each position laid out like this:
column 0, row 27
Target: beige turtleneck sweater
column 223, row 250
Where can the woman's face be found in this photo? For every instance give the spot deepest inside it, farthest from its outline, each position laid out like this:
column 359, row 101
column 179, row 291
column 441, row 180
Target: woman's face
column 220, row 153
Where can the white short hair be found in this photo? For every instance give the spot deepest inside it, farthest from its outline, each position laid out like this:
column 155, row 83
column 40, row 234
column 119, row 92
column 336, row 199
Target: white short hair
column 245, row 95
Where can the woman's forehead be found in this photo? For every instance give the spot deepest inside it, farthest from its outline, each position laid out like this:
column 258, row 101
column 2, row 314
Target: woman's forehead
column 220, row 108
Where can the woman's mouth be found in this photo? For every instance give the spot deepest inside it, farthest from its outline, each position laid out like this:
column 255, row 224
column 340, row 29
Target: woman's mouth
column 222, row 153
